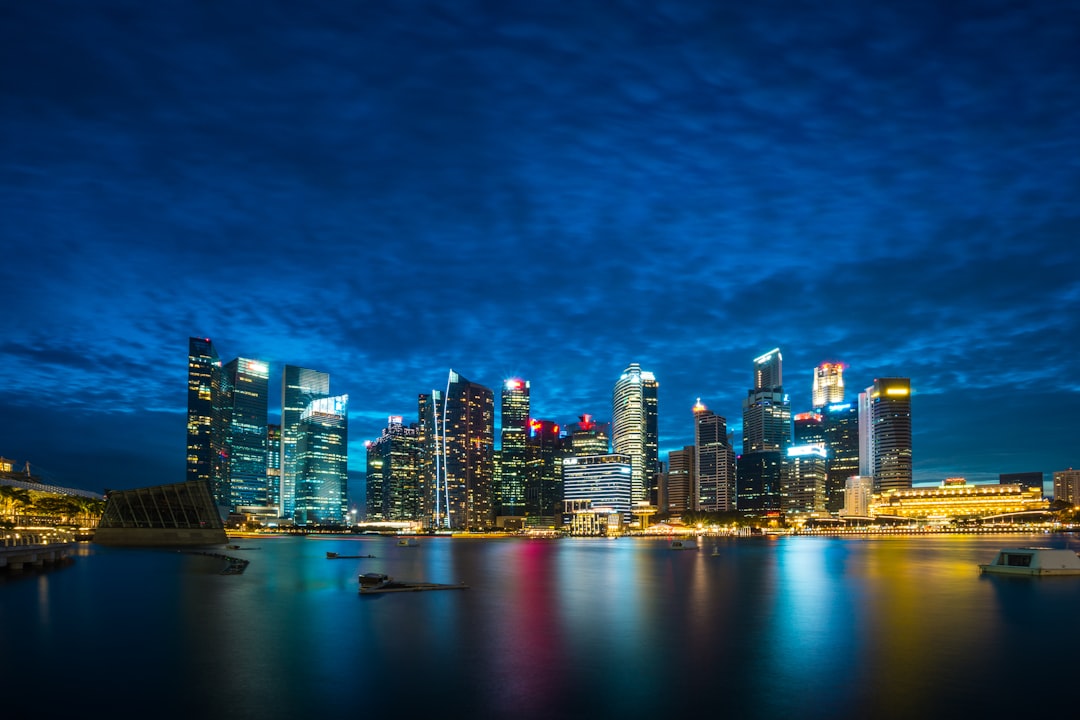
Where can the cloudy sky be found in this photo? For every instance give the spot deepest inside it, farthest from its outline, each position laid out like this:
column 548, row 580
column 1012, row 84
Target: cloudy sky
column 388, row 190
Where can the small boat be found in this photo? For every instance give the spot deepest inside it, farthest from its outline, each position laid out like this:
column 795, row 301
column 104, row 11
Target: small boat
column 407, row 542
column 683, row 545
column 373, row 581
column 1033, row 561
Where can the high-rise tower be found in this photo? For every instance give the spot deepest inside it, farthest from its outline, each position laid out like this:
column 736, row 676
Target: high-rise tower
column 841, row 423
column 245, row 392
column 828, row 385
column 393, row 473
column 299, row 386
column 465, row 446
column 514, row 432
column 204, row 432
column 543, row 472
column 766, row 411
column 322, row 462
column 714, row 464
column 888, row 403
column 634, row 430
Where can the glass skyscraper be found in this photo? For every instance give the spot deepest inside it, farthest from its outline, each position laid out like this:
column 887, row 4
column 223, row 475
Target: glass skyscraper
column 889, row 404
column 460, row 431
column 766, row 411
column 393, row 473
column 244, row 390
column 543, row 472
column 634, row 430
column 204, row 432
column 514, row 422
column 322, row 462
column 828, row 385
column 841, row 423
column 299, row 386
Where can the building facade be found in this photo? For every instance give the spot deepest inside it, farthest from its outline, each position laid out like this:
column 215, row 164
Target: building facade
column 392, row 480
column 543, row 470
column 299, row 386
column 602, row 480
column 766, row 409
column 513, row 436
column 1067, row 486
column 802, row 482
column 758, row 482
column 245, row 397
column 634, row 426
column 841, row 427
column 205, row 436
column 680, row 487
column 889, row 408
column 714, row 462
column 322, row 462
column 828, row 387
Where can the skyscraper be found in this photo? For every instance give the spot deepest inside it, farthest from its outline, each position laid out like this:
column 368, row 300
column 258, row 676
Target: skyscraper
column 1067, row 486
column 393, row 473
column 588, row 437
column 322, row 462
column 634, row 427
column 766, row 410
column 273, row 466
column 245, row 393
column 514, row 432
column 714, row 467
column 204, row 431
column 889, row 408
column 681, row 486
column 543, row 472
column 299, row 386
column 828, row 386
column 841, row 425
column 759, row 476
column 802, row 482
column 463, row 493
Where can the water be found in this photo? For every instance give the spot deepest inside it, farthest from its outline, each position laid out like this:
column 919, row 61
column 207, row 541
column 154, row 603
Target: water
column 574, row 628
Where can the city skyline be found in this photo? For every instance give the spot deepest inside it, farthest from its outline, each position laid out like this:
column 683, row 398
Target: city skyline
column 383, row 194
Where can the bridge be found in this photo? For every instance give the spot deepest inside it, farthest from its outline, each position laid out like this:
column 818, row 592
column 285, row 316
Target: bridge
column 37, row 547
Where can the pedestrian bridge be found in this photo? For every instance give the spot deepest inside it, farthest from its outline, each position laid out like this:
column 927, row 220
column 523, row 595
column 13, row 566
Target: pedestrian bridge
column 19, row 548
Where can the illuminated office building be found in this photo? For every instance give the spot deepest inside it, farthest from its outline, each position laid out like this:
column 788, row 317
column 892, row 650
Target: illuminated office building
column 714, row 464
column 828, row 386
column 322, row 462
column 460, row 431
column 273, row 466
column 634, row 430
column 587, row 437
column 766, row 410
column 809, row 428
column 245, row 394
column 841, row 429
column 605, row 480
column 393, row 473
column 1067, row 486
column 543, row 471
column 758, row 481
column 888, row 407
column 802, row 480
column 514, row 433
column 299, row 386
column 680, row 487
column 205, row 435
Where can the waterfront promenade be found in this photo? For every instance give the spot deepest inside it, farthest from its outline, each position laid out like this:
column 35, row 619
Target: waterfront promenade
column 20, row 548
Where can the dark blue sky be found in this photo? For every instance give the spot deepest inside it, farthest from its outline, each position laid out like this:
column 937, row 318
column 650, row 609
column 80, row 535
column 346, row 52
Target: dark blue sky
column 387, row 190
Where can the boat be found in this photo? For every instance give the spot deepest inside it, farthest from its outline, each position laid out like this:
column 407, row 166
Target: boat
column 383, row 583
column 407, row 542
column 335, row 556
column 1033, row 561
column 683, row 545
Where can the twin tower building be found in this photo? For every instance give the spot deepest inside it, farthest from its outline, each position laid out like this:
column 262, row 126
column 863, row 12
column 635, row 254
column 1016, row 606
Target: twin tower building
column 445, row 471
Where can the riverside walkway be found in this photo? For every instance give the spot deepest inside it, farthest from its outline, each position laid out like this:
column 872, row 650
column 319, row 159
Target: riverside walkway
column 19, row 548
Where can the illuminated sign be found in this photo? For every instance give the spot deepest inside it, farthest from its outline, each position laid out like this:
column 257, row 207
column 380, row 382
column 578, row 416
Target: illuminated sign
column 256, row 368
column 767, row 356
column 815, row 449
column 513, row 384
column 808, row 416
column 838, row 408
column 897, row 391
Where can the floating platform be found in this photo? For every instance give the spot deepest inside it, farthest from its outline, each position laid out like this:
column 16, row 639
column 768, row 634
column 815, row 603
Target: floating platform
column 371, row 583
column 335, row 556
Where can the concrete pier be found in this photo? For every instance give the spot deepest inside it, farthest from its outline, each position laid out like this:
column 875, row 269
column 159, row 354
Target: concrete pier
column 19, row 548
